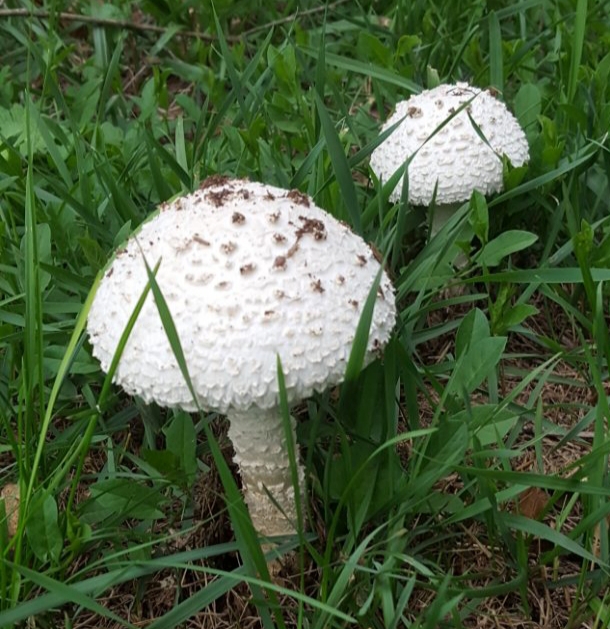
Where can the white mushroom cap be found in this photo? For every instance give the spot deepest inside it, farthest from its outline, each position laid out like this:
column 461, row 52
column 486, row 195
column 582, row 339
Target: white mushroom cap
column 249, row 272
column 456, row 157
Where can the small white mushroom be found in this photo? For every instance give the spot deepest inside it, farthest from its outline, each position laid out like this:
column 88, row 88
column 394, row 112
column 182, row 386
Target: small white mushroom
column 453, row 160
column 280, row 297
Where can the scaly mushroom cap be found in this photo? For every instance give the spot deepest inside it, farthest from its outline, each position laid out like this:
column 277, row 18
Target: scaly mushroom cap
column 456, row 156
column 249, row 272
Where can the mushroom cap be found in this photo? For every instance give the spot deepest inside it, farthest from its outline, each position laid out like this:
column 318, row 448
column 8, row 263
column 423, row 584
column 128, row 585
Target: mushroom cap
column 249, row 272
column 456, row 156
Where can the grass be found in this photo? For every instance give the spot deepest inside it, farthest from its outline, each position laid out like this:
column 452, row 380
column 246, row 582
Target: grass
column 460, row 482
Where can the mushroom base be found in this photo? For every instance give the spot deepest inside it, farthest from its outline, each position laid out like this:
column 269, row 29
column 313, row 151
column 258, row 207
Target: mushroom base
column 259, row 440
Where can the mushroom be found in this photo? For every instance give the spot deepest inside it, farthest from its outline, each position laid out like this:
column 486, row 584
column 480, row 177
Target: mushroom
column 250, row 273
column 449, row 162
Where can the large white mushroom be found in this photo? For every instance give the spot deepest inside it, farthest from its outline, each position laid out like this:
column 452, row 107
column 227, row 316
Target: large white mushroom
column 250, row 272
column 453, row 160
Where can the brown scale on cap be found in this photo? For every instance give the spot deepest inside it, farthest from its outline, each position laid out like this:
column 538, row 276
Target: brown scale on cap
column 213, row 181
column 202, row 241
column 298, row 197
column 247, row 268
column 238, row 218
column 312, row 226
column 317, row 287
column 279, row 237
column 228, row 247
column 280, row 263
column 414, row 112
column 218, row 198
column 293, row 249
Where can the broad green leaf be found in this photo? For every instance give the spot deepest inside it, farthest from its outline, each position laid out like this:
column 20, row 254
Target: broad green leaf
column 527, row 107
column 494, row 432
column 373, row 50
column 124, row 498
column 283, row 63
column 514, row 316
column 509, row 242
column 473, row 328
column 13, row 127
column 42, row 528
column 406, row 44
column 164, row 462
column 476, row 365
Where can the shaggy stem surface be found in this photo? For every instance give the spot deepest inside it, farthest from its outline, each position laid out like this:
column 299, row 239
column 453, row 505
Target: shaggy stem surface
column 259, row 440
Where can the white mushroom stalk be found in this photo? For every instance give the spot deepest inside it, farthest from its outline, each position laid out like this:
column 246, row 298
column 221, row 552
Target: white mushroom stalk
column 259, row 441
column 250, row 273
column 453, row 160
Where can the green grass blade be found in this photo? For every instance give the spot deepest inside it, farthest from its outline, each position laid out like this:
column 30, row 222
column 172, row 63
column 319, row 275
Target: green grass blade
column 340, row 165
column 578, row 39
column 365, row 69
column 496, row 61
column 112, row 72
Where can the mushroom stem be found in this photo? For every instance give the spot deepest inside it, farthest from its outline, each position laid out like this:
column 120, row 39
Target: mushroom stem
column 440, row 216
column 261, row 451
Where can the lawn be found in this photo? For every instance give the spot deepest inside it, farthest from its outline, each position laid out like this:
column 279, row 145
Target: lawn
column 459, row 480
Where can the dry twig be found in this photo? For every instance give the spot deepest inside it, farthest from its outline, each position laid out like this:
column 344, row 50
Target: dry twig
column 153, row 28
column 102, row 21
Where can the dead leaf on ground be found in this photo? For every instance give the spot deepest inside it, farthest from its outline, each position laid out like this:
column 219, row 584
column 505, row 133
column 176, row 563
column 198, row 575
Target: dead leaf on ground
column 532, row 502
column 10, row 496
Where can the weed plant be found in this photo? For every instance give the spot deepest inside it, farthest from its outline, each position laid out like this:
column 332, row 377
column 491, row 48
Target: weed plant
column 422, row 469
